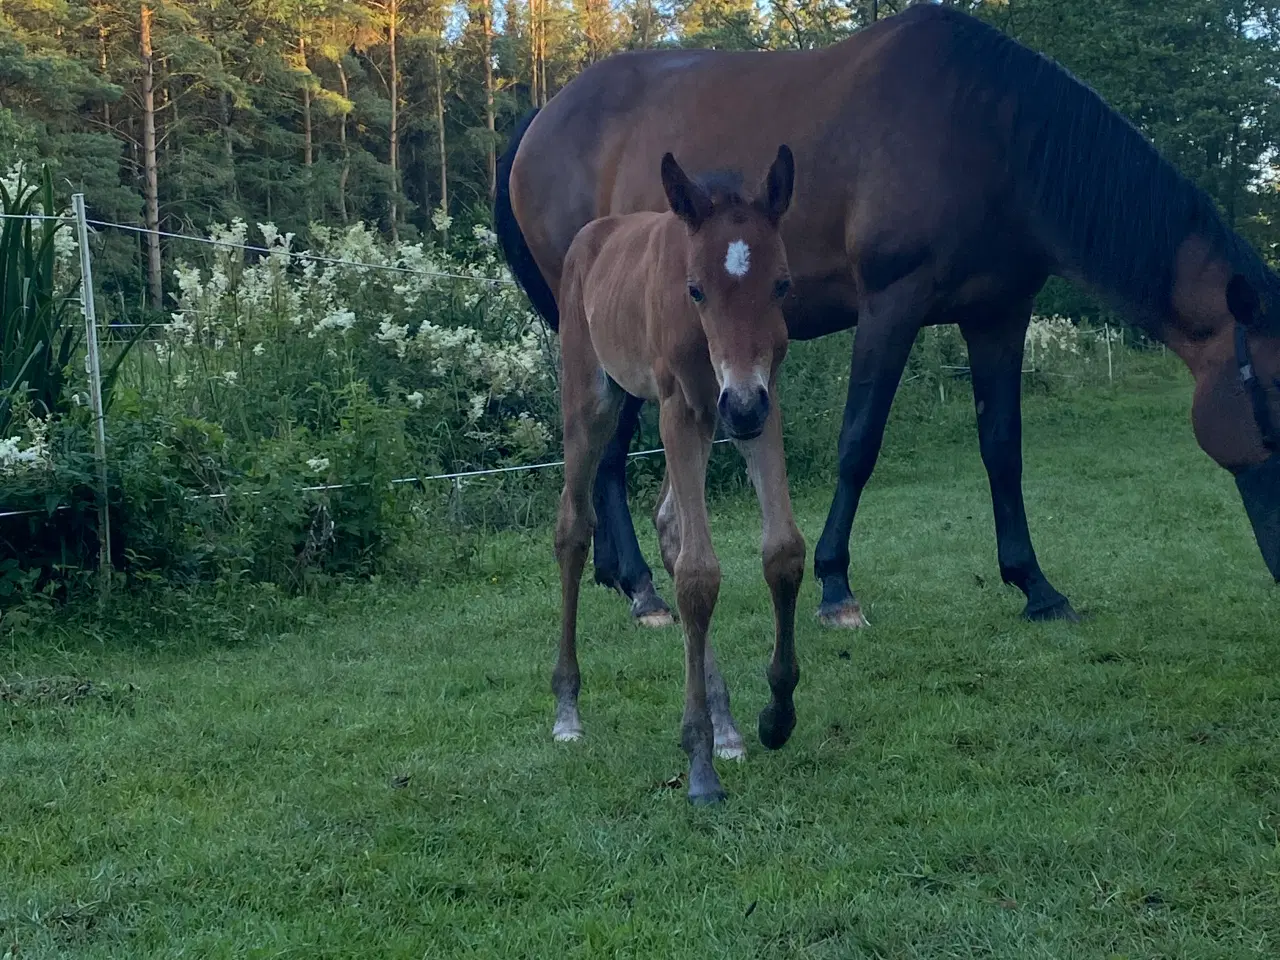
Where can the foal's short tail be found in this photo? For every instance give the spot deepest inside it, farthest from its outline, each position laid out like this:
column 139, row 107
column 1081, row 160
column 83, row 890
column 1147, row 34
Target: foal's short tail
column 514, row 248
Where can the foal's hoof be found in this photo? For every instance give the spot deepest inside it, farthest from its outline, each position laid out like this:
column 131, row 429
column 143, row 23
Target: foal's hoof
column 731, row 748
column 650, row 610
column 846, row 615
column 1062, row 610
column 775, row 725
column 565, row 732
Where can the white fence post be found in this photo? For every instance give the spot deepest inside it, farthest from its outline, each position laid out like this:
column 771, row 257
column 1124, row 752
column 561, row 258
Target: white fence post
column 95, row 385
column 1106, row 332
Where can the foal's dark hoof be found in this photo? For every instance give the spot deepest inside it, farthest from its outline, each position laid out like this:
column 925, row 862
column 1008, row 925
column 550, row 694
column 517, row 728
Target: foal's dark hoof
column 1062, row 610
column 775, row 725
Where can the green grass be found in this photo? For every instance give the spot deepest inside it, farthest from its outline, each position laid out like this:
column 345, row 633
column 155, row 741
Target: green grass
column 960, row 783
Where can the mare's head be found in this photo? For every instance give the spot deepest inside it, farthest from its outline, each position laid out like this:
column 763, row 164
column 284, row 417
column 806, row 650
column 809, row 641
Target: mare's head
column 737, row 277
column 1236, row 411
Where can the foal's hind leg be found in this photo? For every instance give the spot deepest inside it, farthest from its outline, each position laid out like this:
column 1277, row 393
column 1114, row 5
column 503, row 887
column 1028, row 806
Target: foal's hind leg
column 782, row 549
column 995, row 358
column 728, row 741
column 589, row 403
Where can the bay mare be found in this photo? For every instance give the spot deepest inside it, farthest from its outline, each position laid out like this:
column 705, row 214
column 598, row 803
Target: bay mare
column 945, row 173
column 684, row 308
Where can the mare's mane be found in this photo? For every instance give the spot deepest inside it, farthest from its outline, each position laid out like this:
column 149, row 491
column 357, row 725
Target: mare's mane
column 1111, row 208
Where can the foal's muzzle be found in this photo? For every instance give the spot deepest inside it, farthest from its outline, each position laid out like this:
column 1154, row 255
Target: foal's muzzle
column 744, row 410
column 1259, row 488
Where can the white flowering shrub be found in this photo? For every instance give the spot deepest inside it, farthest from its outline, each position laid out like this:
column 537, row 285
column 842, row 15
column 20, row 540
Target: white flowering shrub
column 28, row 451
column 1047, row 336
column 449, row 337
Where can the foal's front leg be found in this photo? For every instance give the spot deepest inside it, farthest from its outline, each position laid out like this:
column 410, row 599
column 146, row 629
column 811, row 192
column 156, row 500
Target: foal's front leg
column 697, row 581
column 783, row 551
column 728, row 741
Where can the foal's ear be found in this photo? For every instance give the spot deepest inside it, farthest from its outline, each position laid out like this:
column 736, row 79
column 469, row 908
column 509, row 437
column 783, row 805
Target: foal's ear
column 688, row 201
column 1243, row 301
column 775, row 193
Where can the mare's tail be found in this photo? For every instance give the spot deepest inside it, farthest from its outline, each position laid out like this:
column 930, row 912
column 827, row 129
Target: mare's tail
column 514, row 248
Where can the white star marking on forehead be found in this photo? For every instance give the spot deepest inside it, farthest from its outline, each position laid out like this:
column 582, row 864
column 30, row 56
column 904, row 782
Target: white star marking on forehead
column 738, row 260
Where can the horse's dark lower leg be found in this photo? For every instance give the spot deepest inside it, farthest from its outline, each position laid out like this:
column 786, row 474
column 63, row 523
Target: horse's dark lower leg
column 618, row 562
column 880, row 351
column 995, row 358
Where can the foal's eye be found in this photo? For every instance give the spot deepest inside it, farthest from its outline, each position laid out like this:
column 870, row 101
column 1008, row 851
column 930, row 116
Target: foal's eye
column 695, row 292
column 781, row 288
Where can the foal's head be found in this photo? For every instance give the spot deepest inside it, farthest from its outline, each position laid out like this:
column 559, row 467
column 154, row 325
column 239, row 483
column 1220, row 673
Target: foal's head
column 738, row 277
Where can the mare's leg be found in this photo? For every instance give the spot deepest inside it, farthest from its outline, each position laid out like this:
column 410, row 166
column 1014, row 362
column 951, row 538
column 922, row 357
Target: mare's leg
column 782, row 549
column 995, row 358
column 887, row 327
column 618, row 561
column 728, row 741
column 697, row 582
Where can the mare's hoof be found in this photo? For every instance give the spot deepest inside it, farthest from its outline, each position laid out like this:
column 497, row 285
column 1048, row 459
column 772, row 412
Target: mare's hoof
column 775, row 725
column 656, row 619
column 707, row 799
column 1059, row 611
column 650, row 610
column 846, row 615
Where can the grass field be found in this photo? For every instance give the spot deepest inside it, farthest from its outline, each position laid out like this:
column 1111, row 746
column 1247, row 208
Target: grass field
column 960, row 783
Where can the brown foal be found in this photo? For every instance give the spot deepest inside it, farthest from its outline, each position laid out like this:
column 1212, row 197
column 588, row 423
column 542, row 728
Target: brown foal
column 684, row 307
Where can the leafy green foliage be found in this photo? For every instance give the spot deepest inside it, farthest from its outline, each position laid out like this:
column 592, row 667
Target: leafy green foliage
column 38, row 332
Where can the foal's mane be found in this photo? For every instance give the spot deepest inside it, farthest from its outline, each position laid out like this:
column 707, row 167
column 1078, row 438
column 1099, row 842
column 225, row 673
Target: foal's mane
column 1109, row 204
column 725, row 187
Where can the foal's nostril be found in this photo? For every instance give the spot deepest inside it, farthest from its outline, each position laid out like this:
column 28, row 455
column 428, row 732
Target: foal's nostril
column 744, row 411
column 762, row 403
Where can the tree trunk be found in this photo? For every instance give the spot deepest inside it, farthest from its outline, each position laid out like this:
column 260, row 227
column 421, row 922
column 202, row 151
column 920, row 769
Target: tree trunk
column 1233, row 176
column 342, row 139
column 394, row 10
column 306, row 104
column 594, row 17
column 440, row 137
column 535, row 54
column 102, row 65
column 151, row 177
column 542, row 53
column 486, row 24
column 224, row 123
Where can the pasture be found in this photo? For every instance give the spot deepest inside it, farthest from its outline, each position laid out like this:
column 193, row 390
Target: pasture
column 960, row 783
